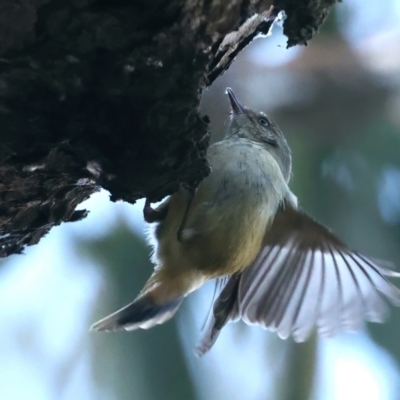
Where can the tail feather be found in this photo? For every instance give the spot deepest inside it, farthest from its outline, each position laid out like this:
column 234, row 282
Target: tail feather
column 143, row 313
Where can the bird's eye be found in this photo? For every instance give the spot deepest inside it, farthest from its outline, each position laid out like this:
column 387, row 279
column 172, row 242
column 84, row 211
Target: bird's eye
column 263, row 121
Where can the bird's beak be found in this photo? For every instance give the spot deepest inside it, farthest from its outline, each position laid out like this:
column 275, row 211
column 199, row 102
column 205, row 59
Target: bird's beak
column 237, row 108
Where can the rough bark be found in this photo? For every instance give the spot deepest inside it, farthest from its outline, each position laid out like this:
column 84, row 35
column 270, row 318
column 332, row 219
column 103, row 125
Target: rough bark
column 105, row 93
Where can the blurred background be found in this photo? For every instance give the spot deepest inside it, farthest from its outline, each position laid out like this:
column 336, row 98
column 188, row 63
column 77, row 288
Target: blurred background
column 338, row 102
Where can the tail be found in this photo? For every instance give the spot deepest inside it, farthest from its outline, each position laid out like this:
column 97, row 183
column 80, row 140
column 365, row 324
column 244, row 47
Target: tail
column 159, row 300
column 143, row 313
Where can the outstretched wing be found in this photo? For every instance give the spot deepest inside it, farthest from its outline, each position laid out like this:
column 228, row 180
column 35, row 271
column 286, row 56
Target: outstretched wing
column 305, row 277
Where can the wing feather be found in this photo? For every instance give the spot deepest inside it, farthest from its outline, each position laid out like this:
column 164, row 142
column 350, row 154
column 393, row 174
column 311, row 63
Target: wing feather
column 312, row 280
column 305, row 278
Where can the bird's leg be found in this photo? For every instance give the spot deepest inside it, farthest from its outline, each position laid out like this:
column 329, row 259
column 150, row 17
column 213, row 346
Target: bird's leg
column 191, row 193
column 155, row 215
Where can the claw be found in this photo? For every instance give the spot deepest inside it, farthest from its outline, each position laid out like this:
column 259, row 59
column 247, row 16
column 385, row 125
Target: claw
column 150, row 215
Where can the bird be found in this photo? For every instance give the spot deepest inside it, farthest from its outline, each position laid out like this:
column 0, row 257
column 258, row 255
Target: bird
column 243, row 226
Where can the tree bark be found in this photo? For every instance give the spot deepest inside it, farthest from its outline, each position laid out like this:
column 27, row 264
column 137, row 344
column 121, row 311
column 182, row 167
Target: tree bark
column 105, row 93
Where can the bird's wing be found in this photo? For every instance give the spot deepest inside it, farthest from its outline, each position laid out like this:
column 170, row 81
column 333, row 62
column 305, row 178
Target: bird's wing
column 305, row 277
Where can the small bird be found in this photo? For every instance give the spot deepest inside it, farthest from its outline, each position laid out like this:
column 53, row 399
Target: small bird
column 282, row 269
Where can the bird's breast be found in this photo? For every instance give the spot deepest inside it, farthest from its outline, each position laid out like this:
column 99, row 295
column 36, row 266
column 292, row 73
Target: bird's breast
column 229, row 214
column 243, row 174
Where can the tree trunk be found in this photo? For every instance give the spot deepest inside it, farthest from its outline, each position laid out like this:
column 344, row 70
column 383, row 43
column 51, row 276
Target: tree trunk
column 105, row 93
